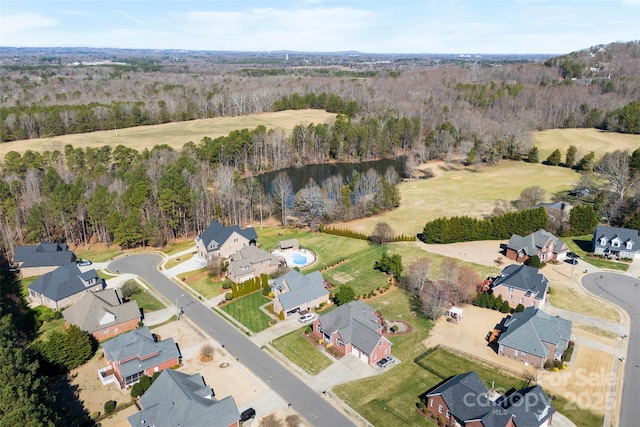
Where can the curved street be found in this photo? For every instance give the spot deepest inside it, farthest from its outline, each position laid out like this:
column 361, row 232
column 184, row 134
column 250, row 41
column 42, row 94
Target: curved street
column 310, row 405
column 624, row 291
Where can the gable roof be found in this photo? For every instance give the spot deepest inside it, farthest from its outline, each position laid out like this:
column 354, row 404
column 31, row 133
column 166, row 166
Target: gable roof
column 90, row 312
column 531, row 243
column 610, row 233
column 298, row 288
column 528, row 279
column 248, row 256
column 356, row 322
column 219, row 233
column 528, row 330
column 137, row 351
column 467, row 399
column 46, row 254
column 178, row 399
column 288, row 243
column 557, row 206
column 63, row 282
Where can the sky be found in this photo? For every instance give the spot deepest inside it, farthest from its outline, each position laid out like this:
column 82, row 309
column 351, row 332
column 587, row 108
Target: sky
column 371, row 26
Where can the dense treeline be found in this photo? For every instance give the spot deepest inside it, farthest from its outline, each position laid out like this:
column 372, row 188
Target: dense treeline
column 464, row 228
column 625, row 119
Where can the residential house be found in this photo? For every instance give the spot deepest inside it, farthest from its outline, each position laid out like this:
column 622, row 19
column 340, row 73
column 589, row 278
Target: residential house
column 64, row 286
column 354, row 328
column 103, row 314
column 43, row 258
column 521, row 284
column 579, row 192
column 137, row 353
column 295, row 292
column 534, row 337
column 542, row 243
column 557, row 211
column 179, row 399
column 614, row 242
column 219, row 241
column 250, row 262
column 464, row 400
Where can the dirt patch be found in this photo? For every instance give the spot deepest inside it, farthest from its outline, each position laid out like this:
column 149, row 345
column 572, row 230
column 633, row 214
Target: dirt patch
column 483, row 252
column 343, row 278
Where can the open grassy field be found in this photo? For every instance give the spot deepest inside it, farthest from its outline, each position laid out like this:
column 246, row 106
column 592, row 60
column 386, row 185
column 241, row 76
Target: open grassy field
column 246, row 311
column 464, row 191
column 301, row 352
column 173, row 134
column 585, row 140
column 565, row 296
column 146, row 301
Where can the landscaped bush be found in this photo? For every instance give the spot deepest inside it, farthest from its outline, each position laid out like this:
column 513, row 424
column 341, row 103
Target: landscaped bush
column 109, row 406
column 145, row 382
column 505, row 307
column 57, row 315
column 228, row 296
column 129, row 288
column 227, row 284
column 308, row 330
column 281, row 316
column 394, row 328
column 136, row 390
column 566, row 356
column 519, row 308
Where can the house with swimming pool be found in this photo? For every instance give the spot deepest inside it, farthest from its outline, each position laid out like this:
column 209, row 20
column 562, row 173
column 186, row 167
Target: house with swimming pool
column 250, row 262
column 295, row 292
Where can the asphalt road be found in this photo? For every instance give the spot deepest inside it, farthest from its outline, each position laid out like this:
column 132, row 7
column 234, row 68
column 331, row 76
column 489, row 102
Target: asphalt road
column 624, row 291
column 313, row 407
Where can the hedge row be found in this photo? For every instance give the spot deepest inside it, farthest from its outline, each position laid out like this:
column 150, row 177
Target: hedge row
column 251, row 285
column 345, row 232
column 465, row 228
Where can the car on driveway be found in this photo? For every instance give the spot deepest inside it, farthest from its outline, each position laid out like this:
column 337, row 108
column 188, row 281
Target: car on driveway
column 573, row 261
column 247, row 415
column 386, row 361
column 306, row 318
column 84, row 263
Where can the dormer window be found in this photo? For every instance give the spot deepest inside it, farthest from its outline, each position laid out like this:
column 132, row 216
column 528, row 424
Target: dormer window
column 615, row 243
column 629, row 244
column 603, row 241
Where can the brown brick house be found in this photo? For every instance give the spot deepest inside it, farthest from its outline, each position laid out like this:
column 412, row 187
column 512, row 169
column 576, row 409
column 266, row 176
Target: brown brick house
column 521, row 284
column 354, row 328
column 137, row 353
column 542, row 243
column 103, row 314
column 534, row 337
column 464, row 400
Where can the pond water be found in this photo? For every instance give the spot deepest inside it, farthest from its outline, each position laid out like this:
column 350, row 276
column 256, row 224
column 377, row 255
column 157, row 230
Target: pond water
column 300, row 176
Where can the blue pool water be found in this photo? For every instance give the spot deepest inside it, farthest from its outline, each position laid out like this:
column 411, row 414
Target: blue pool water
column 298, row 259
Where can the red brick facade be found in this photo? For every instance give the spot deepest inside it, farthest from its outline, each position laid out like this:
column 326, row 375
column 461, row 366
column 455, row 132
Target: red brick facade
column 112, row 331
column 516, row 296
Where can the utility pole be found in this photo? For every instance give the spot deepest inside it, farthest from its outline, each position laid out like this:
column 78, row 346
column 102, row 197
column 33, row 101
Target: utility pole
column 178, row 311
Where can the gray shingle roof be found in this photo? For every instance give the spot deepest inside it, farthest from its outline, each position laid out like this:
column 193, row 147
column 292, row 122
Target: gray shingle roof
column 522, row 277
column 93, row 307
column 302, row 288
column 288, row 243
column 527, row 331
column 178, row 399
column 139, row 347
column 219, row 233
column 46, row 254
column 63, row 282
column 531, row 243
column 356, row 323
column 610, row 233
column 466, row 397
column 243, row 261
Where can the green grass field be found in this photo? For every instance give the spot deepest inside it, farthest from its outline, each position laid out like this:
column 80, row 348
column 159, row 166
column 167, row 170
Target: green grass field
column 203, row 285
column 173, row 134
column 97, row 253
column 584, row 140
column 179, row 246
column 246, row 311
column 301, row 352
column 147, row 301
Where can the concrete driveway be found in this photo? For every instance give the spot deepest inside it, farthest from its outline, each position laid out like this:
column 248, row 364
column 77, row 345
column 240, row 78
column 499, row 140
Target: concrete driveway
column 624, row 291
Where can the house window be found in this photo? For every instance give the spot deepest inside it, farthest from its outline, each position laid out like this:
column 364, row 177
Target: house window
column 516, row 353
column 235, row 240
column 447, row 414
column 629, row 244
column 510, row 288
column 385, row 351
column 603, row 241
column 338, row 342
column 439, row 409
column 615, row 243
column 380, row 343
column 105, row 331
column 431, row 402
column 375, row 356
column 521, row 300
column 523, row 354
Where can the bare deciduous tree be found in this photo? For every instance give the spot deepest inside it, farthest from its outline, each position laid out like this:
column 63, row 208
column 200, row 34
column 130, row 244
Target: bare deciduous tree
column 382, row 233
column 615, row 168
column 434, row 299
column 418, row 275
column 530, row 197
column 464, row 288
column 282, row 190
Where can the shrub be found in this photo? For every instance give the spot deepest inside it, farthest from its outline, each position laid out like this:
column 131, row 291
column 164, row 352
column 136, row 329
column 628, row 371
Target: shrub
column 394, row 328
column 136, row 390
column 140, row 324
column 281, row 316
column 129, row 288
column 228, row 296
column 519, row 308
column 440, row 421
column 155, row 376
column 207, row 350
column 57, row 315
column 505, row 307
column 145, row 383
column 566, row 356
column 226, row 284
column 109, row 406
column 421, row 406
column 307, row 330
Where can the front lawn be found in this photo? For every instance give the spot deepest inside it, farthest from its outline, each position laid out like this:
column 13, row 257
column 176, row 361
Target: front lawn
column 246, row 310
column 302, row 352
column 201, row 282
column 179, row 246
column 146, row 301
column 566, row 297
column 97, row 253
column 175, row 261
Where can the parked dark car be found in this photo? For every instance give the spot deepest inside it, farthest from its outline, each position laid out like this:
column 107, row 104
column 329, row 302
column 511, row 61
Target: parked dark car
column 84, row 263
column 573, row 261
column 247, row 415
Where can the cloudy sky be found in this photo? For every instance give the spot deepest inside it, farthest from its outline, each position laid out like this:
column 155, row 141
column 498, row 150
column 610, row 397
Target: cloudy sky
column 373, row 26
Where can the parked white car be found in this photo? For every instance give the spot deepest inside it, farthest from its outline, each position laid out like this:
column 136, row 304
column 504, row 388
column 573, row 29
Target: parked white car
column 306, row 318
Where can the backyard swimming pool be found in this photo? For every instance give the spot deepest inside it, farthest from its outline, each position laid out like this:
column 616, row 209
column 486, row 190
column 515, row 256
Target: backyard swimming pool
column 296, row 257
